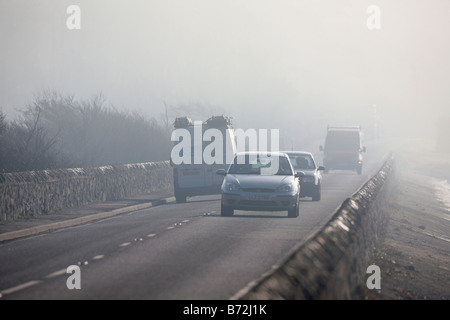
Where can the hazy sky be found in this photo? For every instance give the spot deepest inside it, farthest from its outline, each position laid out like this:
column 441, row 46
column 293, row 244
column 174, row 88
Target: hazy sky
column 266, row 63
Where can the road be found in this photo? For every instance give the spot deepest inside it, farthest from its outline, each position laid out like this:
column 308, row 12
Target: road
column 173, row 251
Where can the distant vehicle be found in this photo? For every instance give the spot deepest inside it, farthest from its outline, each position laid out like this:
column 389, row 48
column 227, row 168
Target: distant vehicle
column 247, row 185
column 343, row 149
column 311, row 182
column 191, row 179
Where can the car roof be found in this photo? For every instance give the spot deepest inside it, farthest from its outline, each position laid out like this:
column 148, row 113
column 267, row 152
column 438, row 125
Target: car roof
column 298, row 152
column 270, row 153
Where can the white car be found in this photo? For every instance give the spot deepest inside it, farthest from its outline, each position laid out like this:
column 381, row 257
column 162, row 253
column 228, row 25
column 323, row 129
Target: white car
column 260, row 182
column 311, row 182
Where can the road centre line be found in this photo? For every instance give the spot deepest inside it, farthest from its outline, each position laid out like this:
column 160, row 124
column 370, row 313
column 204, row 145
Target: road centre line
column 56, row 274
column 20, row 287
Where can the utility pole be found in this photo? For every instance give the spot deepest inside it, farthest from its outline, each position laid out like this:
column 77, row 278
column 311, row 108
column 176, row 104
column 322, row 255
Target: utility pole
column 375, row 121
column 166, row 117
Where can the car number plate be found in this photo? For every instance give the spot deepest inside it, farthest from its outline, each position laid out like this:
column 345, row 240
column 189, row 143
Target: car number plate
column 258, row 197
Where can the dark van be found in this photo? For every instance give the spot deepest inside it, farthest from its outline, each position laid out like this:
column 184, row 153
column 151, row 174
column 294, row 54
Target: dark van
column 343, row 149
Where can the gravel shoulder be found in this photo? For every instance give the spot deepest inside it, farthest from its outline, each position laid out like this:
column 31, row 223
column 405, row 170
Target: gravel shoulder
column 414, row 253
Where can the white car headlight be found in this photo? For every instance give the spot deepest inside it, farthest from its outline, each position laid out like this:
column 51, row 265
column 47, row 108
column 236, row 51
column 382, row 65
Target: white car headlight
column 285, row 188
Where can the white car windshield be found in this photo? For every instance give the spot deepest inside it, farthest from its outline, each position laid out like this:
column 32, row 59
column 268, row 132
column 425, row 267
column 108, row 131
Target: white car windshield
column 253, row 165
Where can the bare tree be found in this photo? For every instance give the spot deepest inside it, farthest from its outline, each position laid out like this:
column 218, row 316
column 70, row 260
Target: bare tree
column 59, row 131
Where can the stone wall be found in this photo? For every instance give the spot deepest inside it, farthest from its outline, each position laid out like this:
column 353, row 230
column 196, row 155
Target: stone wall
column 32, row 193
column 333, row 263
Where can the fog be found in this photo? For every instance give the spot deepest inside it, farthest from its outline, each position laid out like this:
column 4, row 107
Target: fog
column 294, row 65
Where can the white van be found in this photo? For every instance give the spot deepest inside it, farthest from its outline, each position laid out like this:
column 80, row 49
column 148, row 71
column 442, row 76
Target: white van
column 343, row 149
column 191, row 178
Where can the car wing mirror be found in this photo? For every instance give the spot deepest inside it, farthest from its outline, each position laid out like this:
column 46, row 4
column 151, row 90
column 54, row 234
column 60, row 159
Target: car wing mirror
column 299, row 174
column 221, row 172
column 321, row 168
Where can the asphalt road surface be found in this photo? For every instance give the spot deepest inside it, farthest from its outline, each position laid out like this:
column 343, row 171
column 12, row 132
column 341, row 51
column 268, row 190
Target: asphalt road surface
column 174, row 251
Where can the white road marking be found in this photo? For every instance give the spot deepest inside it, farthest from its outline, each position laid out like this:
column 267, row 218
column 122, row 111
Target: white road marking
column 56, row 273
column 20, row 287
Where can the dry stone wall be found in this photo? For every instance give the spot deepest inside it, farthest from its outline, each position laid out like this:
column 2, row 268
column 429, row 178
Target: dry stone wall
column 25, row 194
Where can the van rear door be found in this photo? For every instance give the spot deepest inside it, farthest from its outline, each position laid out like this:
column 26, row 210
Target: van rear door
column 191, row 175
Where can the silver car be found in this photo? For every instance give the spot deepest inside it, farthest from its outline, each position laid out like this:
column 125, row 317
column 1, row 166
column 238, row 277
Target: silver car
column 311, row 182
column 260, row 182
